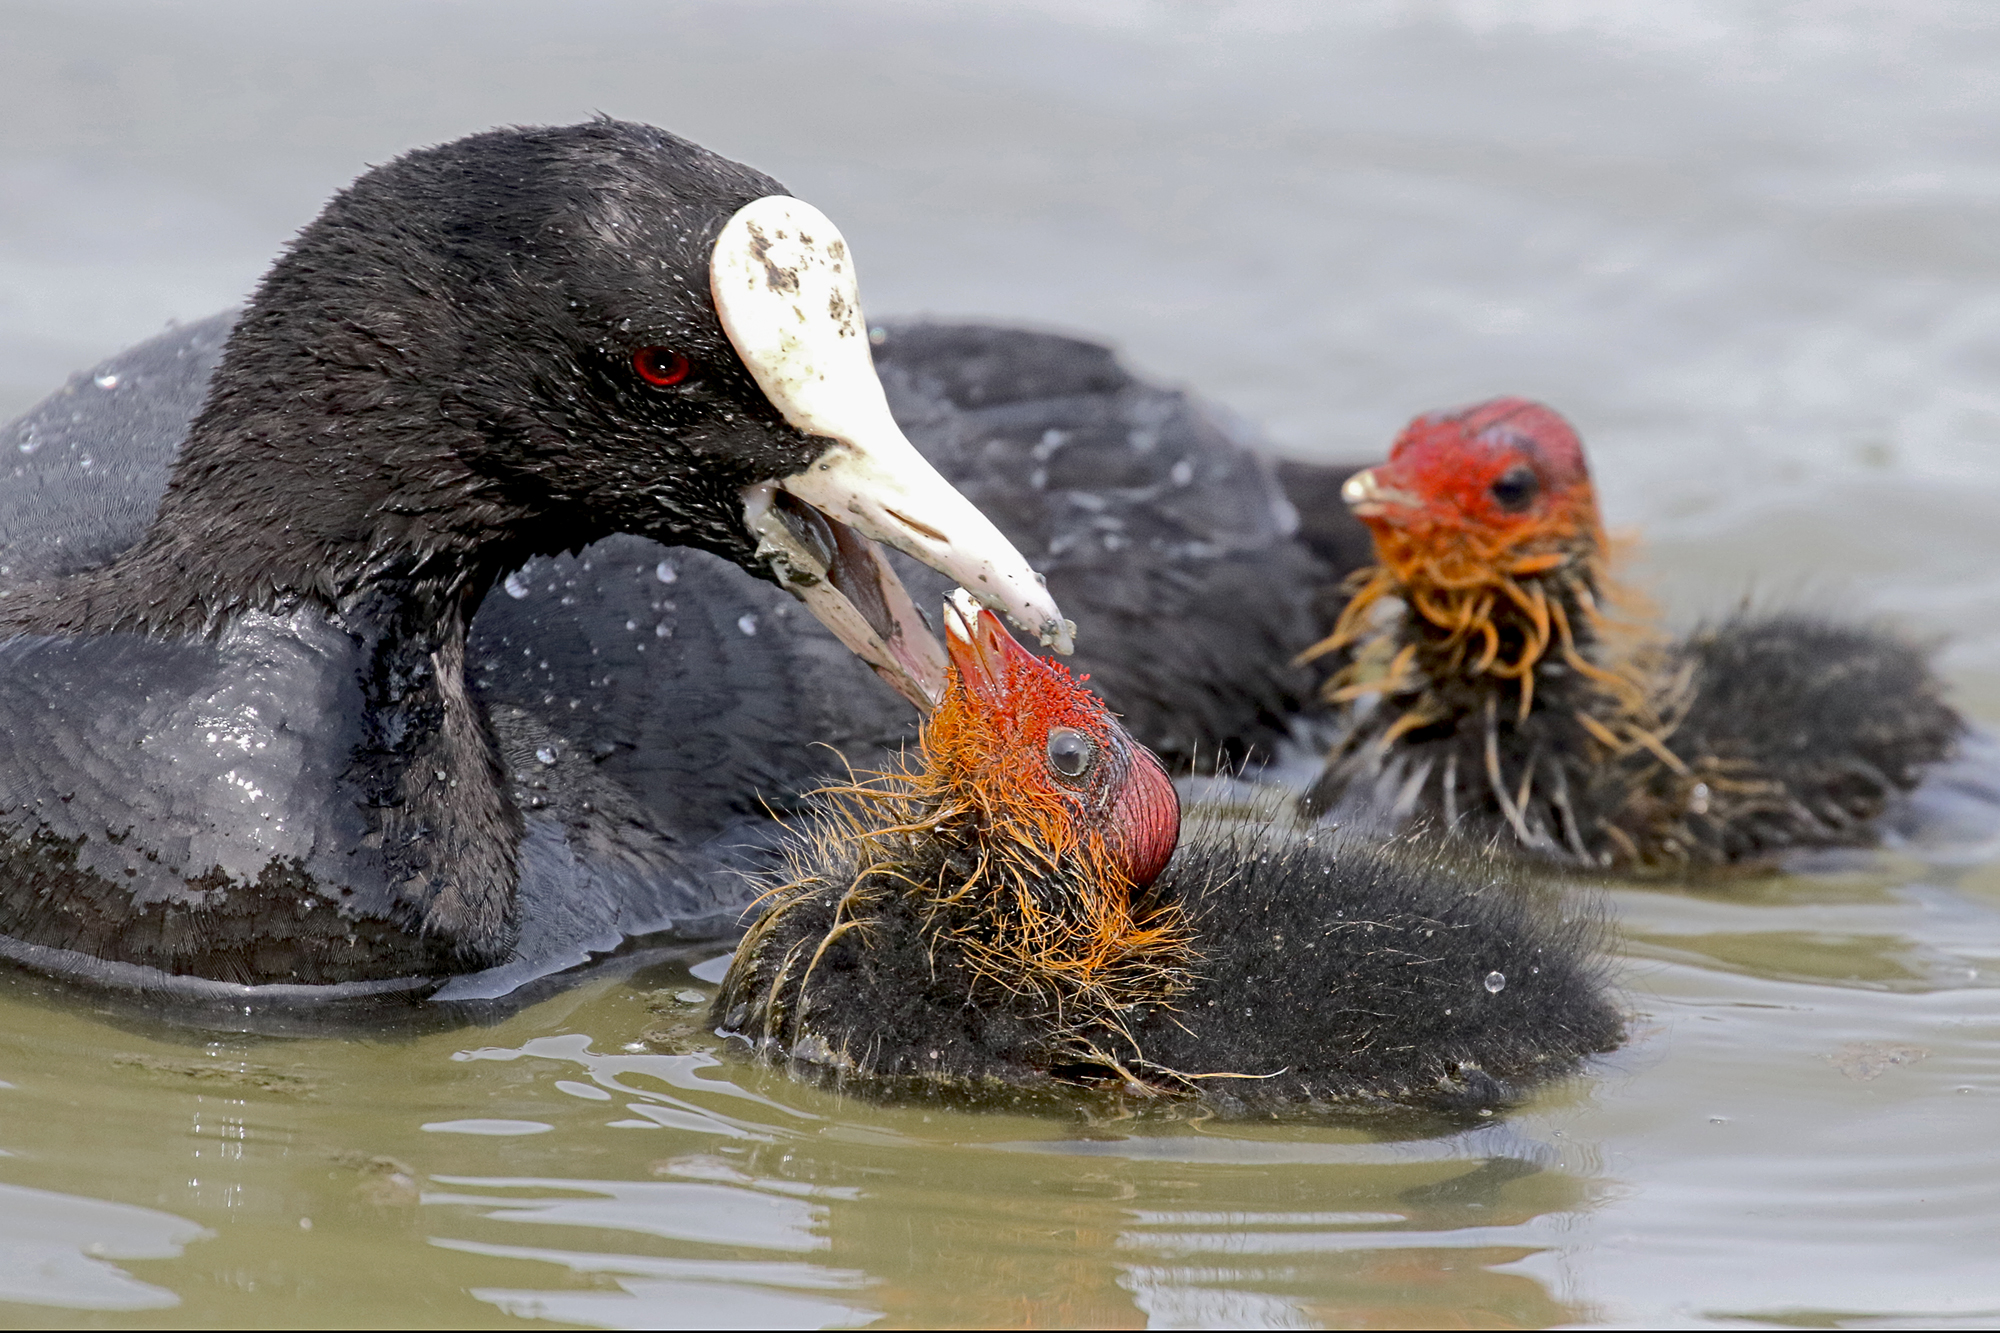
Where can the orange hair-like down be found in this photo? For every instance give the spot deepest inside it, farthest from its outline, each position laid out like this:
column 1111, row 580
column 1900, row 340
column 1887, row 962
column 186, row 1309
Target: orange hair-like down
column 1044, row 885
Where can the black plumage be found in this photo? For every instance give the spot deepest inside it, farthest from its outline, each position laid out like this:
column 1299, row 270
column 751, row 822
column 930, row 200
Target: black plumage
column 1160, row 527
column 252, row 733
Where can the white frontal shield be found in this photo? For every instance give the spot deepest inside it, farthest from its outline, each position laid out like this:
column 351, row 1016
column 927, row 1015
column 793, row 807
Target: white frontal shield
column 784, row 287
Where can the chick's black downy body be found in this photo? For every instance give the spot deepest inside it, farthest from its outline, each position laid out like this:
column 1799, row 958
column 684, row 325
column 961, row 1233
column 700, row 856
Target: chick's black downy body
column 1324, row 976
column 1015, row 914
column 1770, row 733
column 1805, row 732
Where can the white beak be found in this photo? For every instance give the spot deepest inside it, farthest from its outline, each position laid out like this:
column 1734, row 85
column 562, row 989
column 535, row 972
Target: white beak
column 784, row 287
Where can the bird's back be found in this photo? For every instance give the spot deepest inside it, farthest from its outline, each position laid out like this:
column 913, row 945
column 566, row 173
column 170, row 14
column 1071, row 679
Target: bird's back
column 1161, row 530
column 1336, row 974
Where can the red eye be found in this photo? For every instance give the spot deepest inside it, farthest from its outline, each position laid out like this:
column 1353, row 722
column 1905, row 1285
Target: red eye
column 660, row 365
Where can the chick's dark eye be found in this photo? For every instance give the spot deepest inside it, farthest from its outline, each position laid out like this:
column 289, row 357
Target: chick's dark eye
column 660, row 366
column 1070, row 752
column 1515, row 489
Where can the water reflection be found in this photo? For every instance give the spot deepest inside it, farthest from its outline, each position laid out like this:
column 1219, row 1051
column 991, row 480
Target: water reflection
column 656, row 1292
column 710, row 1214
column 1035, row 1222
column 657, row 1108
column 1877, row 932
column 680, row 1293
column 55, row 1249
column 1194, row 1233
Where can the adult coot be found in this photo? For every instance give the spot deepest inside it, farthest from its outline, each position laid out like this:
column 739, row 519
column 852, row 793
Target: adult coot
column 1509, row 697
column 250, row 735
column 1002, row 919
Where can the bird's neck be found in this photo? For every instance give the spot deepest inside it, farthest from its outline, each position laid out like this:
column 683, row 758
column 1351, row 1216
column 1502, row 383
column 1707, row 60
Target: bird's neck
column 255, row 522
column 430, row 773
column 1547, row 634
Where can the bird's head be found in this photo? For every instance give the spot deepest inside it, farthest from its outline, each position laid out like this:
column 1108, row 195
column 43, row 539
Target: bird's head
column 1479, row 494
column 1486, row 530
column 1031, row 827
column 1038, row 759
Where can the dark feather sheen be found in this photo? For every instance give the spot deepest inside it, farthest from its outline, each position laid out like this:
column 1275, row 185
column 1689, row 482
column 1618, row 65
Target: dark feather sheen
column 1162, row 532
column 242, row 570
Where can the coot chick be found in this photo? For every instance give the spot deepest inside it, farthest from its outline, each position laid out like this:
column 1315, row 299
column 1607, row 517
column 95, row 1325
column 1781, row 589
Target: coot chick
column 1007, row 918
column 1162, row 530
column 242, row 744
column 1511, row 699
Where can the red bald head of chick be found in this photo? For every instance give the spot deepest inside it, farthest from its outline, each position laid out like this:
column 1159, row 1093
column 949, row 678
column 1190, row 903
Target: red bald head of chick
column 1500, row 488
column 1039, row 757
column 1066, row 818
column 1486, row 528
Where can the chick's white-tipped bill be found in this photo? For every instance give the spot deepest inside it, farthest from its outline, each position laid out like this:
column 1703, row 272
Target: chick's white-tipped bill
column 961, row 613
column 1368, row 495
column 785, row 290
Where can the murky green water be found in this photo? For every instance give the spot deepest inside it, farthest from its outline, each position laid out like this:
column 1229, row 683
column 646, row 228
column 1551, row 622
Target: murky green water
column 1800, row 1131
column 1753, row 248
